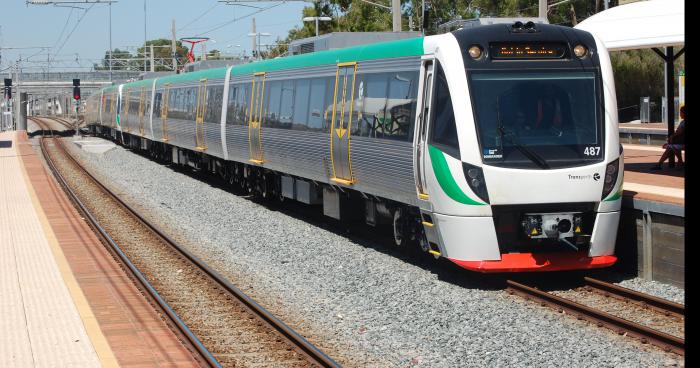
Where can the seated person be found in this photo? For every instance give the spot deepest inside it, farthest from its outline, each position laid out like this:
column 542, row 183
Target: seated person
column 675, row 145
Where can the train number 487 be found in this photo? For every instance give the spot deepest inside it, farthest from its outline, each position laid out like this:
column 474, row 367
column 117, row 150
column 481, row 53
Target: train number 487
column 591, row 151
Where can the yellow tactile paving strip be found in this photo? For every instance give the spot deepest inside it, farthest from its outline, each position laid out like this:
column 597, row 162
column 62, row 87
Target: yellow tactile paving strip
column 40, row 324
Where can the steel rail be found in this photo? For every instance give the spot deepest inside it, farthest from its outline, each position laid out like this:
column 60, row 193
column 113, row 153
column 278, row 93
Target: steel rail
column 600, row 318
column 176, row 320
column 315, row 354
column 659, row 304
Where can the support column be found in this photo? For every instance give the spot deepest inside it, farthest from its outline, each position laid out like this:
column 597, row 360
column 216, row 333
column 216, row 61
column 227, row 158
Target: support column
column 396, row 15
column 669, row 87
column 647, row 247
column 22, row 121
column 542, row 9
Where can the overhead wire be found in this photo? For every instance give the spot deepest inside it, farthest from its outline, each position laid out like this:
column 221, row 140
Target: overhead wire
column 63, row 30
column 242, row 17
column 74, row 28
column 199, row 17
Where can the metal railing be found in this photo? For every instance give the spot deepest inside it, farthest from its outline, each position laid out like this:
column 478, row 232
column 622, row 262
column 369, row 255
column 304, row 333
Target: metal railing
column 117, row 75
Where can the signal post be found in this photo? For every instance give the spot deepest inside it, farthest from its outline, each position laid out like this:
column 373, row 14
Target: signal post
column 76, row 97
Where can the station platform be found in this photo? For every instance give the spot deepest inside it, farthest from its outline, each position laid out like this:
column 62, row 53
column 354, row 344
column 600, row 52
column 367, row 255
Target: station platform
column 651, row 236
column 666, row 186
column 636, row 132
column 65, row 302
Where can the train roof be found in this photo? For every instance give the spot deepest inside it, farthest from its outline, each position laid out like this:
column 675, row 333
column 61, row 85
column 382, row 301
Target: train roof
column 380, row 50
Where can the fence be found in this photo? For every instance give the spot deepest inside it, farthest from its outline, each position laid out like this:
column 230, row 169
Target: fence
column 118, row 75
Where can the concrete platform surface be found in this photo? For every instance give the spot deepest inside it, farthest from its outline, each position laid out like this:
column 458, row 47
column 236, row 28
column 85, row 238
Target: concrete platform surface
column 665, row 186
column 40, row 324
column 65, row 300
column 95, row 145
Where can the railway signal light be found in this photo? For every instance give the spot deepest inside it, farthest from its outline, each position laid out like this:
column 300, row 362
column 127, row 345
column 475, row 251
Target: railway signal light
column 76, row 89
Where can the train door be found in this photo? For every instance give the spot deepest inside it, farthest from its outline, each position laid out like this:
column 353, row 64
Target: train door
column 113, row 110
column 422, row 123
column 164, row 113
column 126, row 104
column 343, row 102
column 120, row 105
column 142, row 110
column 103, row 99
column 201, row 143
column 256, row 117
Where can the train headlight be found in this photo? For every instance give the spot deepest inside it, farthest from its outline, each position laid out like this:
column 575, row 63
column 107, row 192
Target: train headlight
column 611, row 172
column 580, row 51
column 475, row 179
column 475, row 51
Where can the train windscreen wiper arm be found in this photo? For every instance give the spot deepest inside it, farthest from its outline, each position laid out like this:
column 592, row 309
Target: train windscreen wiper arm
column 530, row 154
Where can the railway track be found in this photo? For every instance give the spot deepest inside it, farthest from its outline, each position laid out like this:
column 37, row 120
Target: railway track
column 225, row 326
column 627, row 312
column 66, row 124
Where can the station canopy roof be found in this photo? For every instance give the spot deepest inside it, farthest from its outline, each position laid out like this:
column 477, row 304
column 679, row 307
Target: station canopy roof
column 639, row 25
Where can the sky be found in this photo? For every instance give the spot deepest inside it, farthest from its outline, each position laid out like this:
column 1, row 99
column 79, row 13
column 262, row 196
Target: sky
column 47, row 26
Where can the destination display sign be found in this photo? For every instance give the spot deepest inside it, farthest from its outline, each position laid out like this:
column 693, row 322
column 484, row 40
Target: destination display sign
column 504, row 50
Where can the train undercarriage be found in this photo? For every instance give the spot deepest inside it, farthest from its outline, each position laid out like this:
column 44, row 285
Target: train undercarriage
column 349, row 207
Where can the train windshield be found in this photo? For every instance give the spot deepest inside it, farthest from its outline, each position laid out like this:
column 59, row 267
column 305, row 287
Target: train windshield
column 538, row 119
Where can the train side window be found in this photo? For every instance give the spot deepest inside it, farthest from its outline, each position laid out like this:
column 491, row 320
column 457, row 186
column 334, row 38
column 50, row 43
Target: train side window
column 191, row 103
column 371, row 99
column 443, row 133
column 401, row 106
column 214, row 96
column 271, row 103
column 301, row 104
column 243, row 103
column 232, row 110
column 172, row 103
column 179, row 104
column 156, row 103
column 286, row 104
column 317, row 103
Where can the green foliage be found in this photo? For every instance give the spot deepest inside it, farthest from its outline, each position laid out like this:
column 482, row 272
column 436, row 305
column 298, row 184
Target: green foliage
column 124, row 60
column 637, row 73
column 361, row 16
column 640, row 73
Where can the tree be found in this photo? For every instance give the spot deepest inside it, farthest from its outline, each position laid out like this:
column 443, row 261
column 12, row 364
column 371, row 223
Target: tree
column 639, row 73
column 120, row 60
column 162, row 50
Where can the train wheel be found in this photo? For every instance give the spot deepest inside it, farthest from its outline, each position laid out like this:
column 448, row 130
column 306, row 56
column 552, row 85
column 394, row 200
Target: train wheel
column 400, row 233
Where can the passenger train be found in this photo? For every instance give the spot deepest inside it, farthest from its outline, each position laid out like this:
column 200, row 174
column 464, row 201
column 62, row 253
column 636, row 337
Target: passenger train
column 496, row 147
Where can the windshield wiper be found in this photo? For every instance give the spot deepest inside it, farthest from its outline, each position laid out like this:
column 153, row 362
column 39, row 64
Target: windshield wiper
column 530, row 154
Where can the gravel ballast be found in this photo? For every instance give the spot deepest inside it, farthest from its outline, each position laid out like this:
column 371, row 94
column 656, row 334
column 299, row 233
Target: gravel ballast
column 365, row 304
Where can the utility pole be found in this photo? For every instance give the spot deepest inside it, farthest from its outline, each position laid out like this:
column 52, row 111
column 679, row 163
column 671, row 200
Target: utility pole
column 255, row 43
column 542, row 9
column 110, row 42
column 153, row 60
column 396, row 15
column 145, row 40
column 18, row 103
column 173, row 48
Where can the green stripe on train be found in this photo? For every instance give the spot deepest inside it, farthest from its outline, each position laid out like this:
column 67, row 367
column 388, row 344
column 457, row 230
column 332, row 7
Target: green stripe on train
column 614, row 197
column 446, row 180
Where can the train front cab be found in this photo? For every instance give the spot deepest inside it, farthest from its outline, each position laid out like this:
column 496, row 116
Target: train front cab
column 518, row 164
